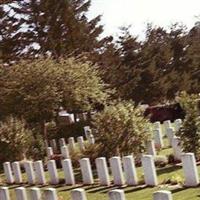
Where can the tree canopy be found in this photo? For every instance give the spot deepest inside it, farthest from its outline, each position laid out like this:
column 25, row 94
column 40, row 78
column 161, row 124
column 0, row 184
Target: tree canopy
column 36, row 89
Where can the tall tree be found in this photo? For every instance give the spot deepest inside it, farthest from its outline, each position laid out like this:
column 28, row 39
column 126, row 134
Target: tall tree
column 56, row 28
column 193, row 54
column 9, row 44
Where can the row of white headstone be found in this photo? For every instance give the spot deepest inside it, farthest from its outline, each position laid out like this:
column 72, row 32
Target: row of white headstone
column 76, row 194
column 71, row 143
column 170, row 132
column 157, row 141
column 177, row 150
column 121, row 176
column 167, row 130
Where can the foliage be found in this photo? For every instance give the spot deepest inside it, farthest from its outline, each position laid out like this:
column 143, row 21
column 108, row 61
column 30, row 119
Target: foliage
column 81, row 85
column 187, row 101
column 120, row 129
column 29, row 90
column 161, row 161
column 70, row 130
column 176, row 179
column 51, row 129
column 37, row 149
column 15, row 139
column 56, row 28
column 190, row 130
column 34, row 89
column 91, row 151
column 151, row 71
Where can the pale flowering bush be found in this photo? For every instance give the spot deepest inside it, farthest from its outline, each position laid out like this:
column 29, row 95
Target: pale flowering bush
column 121, row 129
column 15, row 139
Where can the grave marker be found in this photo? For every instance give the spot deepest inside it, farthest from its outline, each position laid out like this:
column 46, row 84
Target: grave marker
column 116, row 168
column 148, row 165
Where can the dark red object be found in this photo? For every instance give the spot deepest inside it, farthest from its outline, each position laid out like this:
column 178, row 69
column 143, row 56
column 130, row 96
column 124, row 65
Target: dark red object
column 165, row 112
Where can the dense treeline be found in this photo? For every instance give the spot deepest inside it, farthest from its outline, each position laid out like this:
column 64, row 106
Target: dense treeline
column 149, row 71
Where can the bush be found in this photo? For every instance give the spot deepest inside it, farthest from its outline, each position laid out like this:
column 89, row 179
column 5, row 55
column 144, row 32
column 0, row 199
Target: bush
column 121, row 129
column 176, row 179
column 15, row 139
column 161, row 161
column 51, row 130
column 189, row 132
column 71, row 130
column 92, row 152
column 37, row 149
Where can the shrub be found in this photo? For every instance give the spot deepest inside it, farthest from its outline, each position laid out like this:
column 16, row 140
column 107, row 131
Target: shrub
column 121, row 129
column 161, row 161
column 71, row 130
column 92, row 152
column 15, row 139
column 37, row 149
column 189, row 132
column 171, row 159
column 51, row 130
column 176, row 179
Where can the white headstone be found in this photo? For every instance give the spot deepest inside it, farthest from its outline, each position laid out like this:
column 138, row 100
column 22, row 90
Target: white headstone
column 116, row 169
column 148, row 165
column 86, row 129
column 50, row 194
column 91, row 139
column 17, row 172
column 167, row 124
column 68, row 172
column 170, row 134
column 86, row 171
column 80, row 141
column 157, row 125
column 62, row 142
column 71, row 143
column 151, row 148
column 158, row 140
column 35, row 194
column 8, row 172
column 162, row 195
column 65, row 152
column 4, row 193
column 39, row 172
column 176, row 148
column 129, row 170
column 54, row 145
column 102, row 171
column 116, row 195
column 190, row 169
column 49, row 152
column 177, row 123
column 78, row 194
column 20, row 193
column 28, row 165
column 51, row 166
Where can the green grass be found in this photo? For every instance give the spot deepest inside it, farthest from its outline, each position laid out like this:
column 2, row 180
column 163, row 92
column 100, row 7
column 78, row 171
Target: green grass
column 96, row 192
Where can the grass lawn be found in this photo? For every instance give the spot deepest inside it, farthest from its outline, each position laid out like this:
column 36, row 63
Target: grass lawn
column 96, row 192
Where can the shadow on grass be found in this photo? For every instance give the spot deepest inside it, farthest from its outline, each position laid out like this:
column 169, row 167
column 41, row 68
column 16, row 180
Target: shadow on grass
column 179, row 189
column 70, row 188
column 168, row 170
column 103, row 189
column 137, row 188
column 91, row 187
